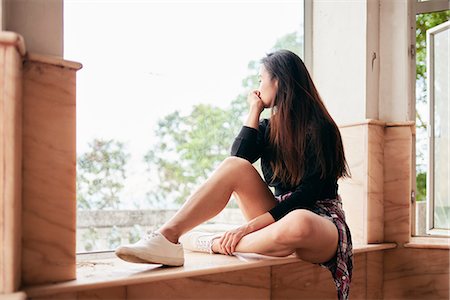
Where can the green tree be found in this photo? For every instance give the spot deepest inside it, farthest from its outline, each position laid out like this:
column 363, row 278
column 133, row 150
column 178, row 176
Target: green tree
column 423, row 23
column 291, row 41
column 421, row 180
column 190, row 146
column 100, row 175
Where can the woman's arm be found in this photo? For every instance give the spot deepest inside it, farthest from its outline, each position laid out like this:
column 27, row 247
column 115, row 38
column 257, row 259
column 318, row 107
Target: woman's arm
column 227, row 243
column 249, row 143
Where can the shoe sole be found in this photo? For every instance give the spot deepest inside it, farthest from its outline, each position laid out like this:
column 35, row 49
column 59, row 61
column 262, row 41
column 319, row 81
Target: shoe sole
column 150, row 259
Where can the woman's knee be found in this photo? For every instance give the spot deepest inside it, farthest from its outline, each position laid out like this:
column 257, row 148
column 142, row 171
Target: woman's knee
column 297, row 227
column 234, row 162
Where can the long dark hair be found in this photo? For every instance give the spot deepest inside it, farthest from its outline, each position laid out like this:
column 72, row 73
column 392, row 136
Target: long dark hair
column 298, row 115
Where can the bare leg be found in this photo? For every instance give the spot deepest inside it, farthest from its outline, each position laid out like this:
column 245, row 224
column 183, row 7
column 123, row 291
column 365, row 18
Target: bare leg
column 312, row 237
column 233, row 175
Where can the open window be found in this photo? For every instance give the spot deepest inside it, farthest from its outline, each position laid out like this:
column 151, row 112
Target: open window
column 438, row 196
column 432, row 202
column 160, row 98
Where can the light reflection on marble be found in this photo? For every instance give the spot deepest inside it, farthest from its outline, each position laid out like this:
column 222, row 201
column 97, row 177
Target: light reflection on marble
column 11, row 49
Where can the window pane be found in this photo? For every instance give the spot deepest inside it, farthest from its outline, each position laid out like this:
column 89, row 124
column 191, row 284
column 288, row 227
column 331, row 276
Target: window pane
column 441, row 129
column 424, row 23
column 160, row 98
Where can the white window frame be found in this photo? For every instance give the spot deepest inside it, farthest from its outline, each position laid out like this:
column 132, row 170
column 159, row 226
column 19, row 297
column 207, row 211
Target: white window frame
column 423, row 7
column 307, row 34
column 431, row 127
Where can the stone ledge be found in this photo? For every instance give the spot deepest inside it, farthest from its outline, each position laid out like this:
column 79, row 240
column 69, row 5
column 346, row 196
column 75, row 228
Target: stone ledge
column 112, row 272
column 146, row 217
column 12, row 38
column 428, row 243
column 54, row 60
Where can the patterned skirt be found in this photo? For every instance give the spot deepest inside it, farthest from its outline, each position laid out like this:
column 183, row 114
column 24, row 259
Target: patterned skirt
column 341, row 264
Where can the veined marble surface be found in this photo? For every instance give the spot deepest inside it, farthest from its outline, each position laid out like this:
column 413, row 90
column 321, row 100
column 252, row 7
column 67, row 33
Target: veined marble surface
column 49, row 172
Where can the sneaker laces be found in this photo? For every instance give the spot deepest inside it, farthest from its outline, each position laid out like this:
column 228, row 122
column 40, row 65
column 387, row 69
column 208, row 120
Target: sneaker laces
column 204, row 244
column 150, row 234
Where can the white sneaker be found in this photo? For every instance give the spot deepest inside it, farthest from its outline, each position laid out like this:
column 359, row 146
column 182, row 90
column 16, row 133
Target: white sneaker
column 199, row 241
column 153, row 249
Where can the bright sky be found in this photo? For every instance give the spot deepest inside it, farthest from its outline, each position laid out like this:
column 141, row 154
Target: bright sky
column 144, row 59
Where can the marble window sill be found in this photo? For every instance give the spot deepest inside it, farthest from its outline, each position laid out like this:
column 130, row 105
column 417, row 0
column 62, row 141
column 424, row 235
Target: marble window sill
column 103, row 270
column 428, row 243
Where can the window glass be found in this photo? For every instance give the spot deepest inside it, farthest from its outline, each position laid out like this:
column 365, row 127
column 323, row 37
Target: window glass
column 161, row 95
column 441, row 95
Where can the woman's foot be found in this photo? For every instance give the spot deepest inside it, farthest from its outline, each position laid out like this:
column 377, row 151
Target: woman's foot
column 153, row 249
column 199, row 241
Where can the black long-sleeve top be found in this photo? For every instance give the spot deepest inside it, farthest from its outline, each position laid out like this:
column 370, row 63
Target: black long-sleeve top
column 252, row 144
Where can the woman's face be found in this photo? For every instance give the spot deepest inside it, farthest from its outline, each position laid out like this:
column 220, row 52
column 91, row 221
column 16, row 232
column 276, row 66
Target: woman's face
column 268, row 87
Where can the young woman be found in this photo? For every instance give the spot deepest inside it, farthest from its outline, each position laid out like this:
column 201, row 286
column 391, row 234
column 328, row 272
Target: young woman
column 302, row 157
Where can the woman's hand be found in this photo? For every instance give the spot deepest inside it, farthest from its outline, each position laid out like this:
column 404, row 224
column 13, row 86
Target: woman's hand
column 256, row 108
column 227, row 243
column 255, row 102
